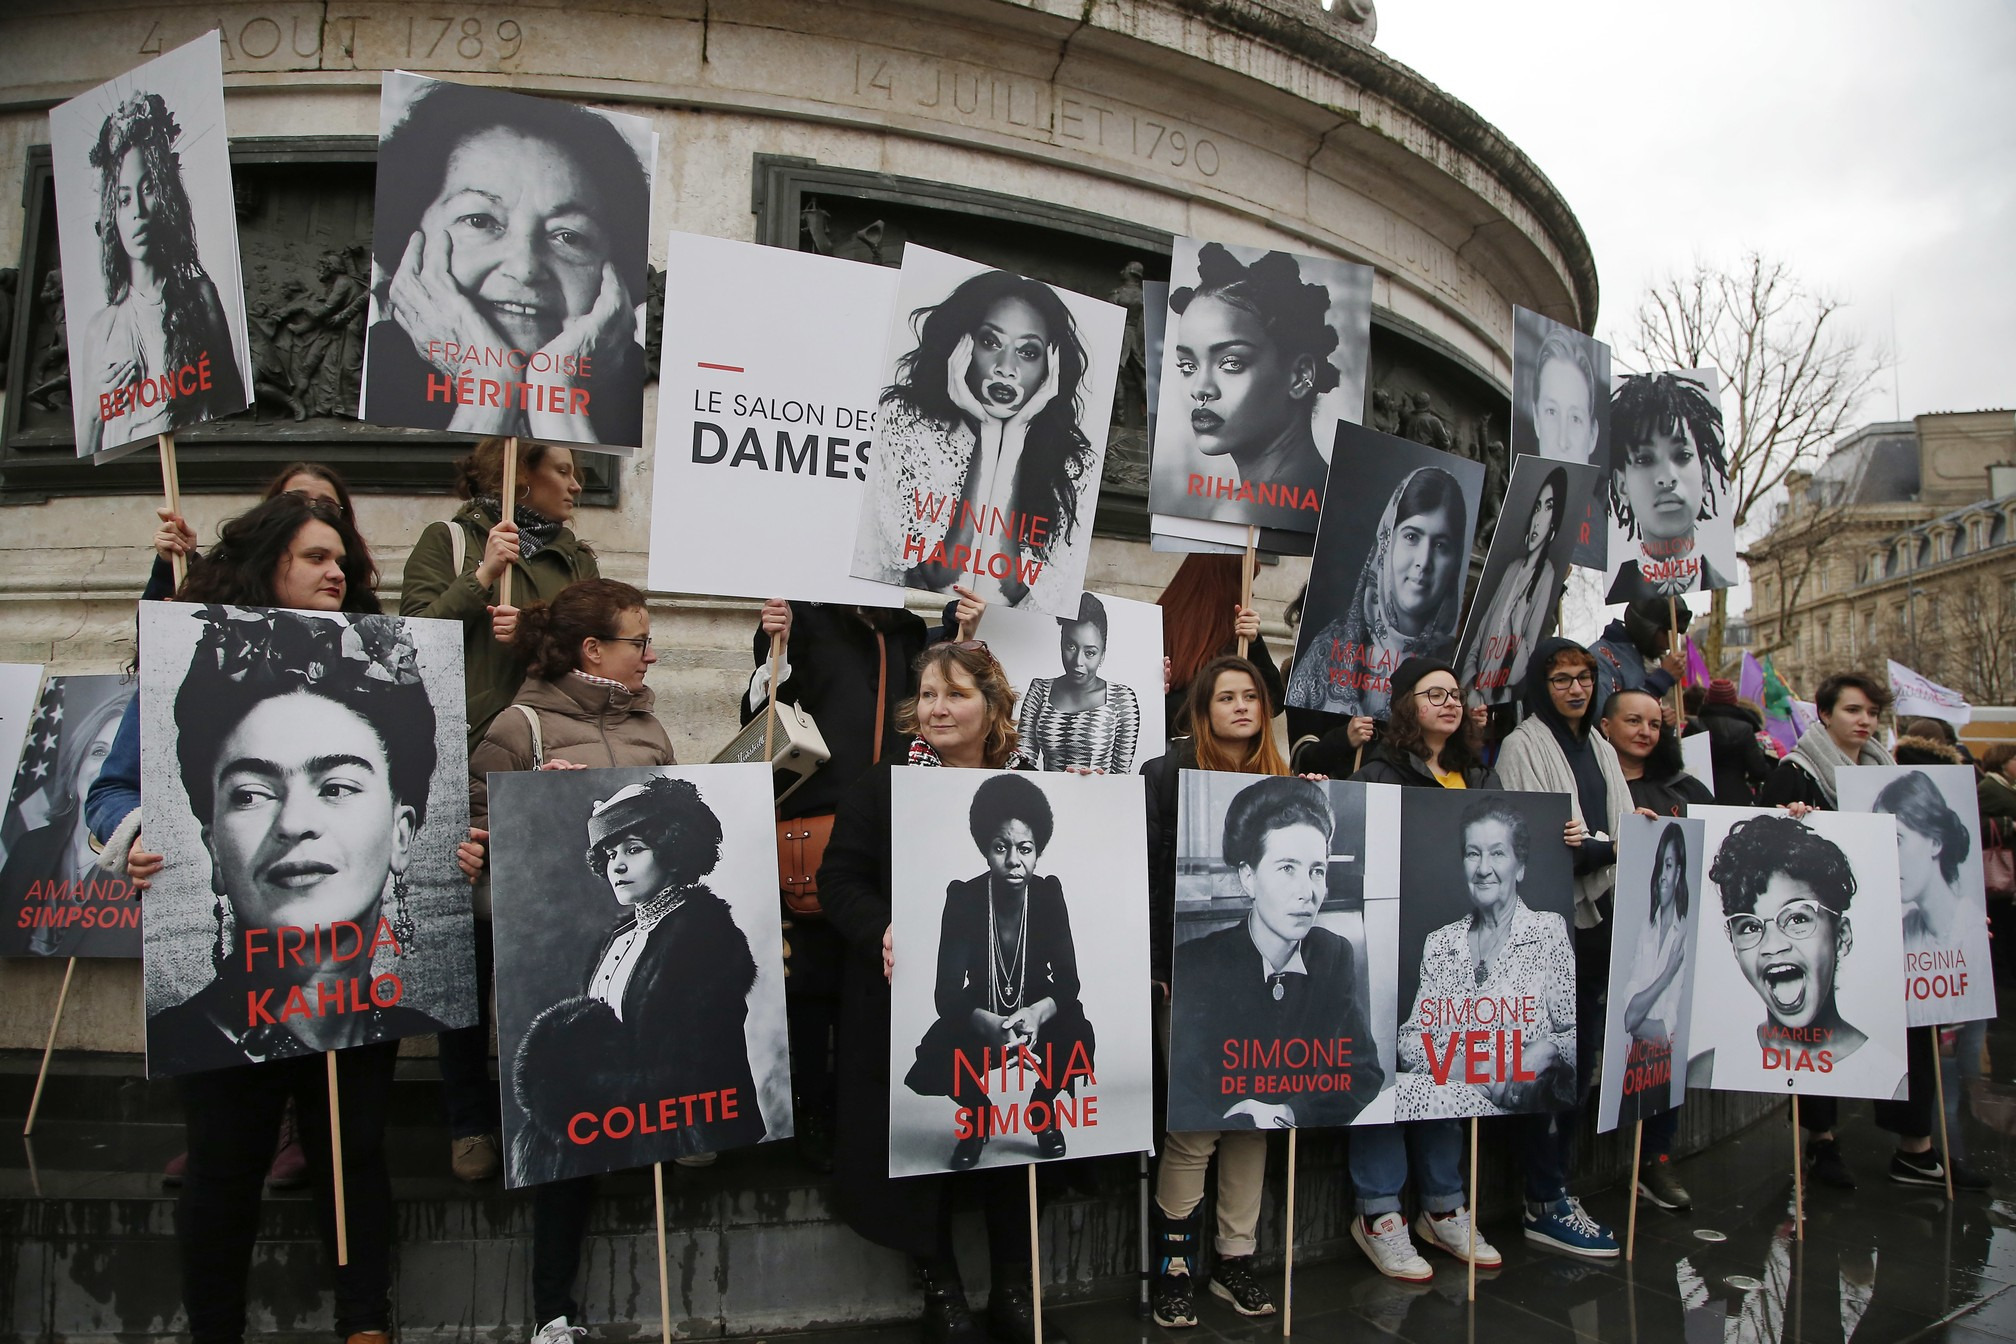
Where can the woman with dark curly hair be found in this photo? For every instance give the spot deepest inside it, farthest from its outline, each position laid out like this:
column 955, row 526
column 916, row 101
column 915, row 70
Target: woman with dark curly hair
column 981, row 428
column 511, row 243
column 1253, row 346
column 162, row 314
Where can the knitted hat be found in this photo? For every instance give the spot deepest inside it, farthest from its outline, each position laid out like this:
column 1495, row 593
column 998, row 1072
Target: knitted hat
column 1408, row 675
column 1721, row 691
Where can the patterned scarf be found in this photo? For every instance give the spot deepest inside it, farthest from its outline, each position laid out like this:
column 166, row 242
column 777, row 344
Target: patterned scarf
column 923, row 753
column 535, row 530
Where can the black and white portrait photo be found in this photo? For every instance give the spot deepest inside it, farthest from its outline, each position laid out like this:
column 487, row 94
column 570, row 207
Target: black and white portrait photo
column 640, row 978
column 1082, row 680
column 508, row 266
column 1487, row 955
column 55, row 901
column 1651, row 987
column 1799, row 957
column 1561, row 411
column 1947, row 974
column 1386, row 583
column 306, row 776
column 1281, row 1008
column 991, row 435
column 1264, row 351
column 151, row 287
column 1513, row 608
column 1019, row 1027
column 1672, row 521
column 20, row 710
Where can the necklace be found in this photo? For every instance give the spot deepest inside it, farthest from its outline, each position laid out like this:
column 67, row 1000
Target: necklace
column 1001, row 974
column 1483, row 971
column 653, row 911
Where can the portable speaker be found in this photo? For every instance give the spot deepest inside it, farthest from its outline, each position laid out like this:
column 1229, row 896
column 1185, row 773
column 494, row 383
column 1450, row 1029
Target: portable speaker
column 797, row 749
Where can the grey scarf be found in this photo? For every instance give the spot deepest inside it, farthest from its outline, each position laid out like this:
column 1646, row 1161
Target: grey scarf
column 1817, row 754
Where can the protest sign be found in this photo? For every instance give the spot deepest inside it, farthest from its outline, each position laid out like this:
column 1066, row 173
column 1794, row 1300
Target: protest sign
column 1282, row 1003
column 640, row 979
column 1487, row 955
column 993, row 372
column 508, row 250
column 1089, row 687
column 55, row 901
column 1386, row 582
column 21, row 721
column 1001, row 1053
column 1798, row 955
column 152, row 294
column 1561, row 411
column 1921, row 697
column 764, row 427
column 1657, row 904
column 1666, row 489
column 1947, row 973
column 307, row 778
column 1524, row 571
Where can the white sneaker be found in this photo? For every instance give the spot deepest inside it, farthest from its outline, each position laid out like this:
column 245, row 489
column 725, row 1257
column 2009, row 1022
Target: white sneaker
column 557, row 1331
column 1390, row 1249
column 1452, row 1234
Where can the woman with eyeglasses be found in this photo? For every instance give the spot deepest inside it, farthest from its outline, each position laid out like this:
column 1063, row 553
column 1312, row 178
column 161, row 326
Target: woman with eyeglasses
column 306, row 480
column 1429, row 744
column 583, row 704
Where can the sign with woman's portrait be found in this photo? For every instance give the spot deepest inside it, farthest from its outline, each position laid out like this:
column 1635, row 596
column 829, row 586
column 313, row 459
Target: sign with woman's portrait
column 1019, row 1025
column 1386, row 583
column 992, row 410
column 20, row 714
column 55, row 901
column 764, row 427
column 1513, row 608
column 152, row 294
column 1667, row 488
column 640, row 979
column 1487, row 955
column 508, row 278
column 1947, row 974
column 306, row 777
column 1281, row 1008
column 1561, row 411
column 1651, row 999
column 1264, row 352
column 1799, row 955
column 1088, row 685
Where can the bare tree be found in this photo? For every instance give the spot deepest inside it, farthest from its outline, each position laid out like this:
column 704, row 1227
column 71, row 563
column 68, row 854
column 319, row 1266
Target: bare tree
column 1795, row 373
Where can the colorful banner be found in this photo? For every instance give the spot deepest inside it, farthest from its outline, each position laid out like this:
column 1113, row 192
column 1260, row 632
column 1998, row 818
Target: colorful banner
column 762, row 419
column 307, row 780
column 1019, row 1026
column 152, row 295
column 640, row 979
column 1265, row 351
column 1281, row 1008
column 1947, row 973
column 1386, row 582
column 55, row 901
column 1524, row 571
column 1650, row 1004
column 508, row 276
column 1667, row 488
column 1487, row 955
column 1561, row 411
column 993, row 373
column 1798, row 955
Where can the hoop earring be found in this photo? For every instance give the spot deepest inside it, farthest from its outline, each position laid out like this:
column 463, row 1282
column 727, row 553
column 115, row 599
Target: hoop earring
column 220, row 949
column 402, row 916
column 524, row 492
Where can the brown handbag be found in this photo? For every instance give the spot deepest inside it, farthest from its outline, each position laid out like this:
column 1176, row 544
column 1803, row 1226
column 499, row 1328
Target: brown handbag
column 801, row 842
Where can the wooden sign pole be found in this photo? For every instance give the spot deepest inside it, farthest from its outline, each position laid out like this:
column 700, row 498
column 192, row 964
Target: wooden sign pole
column 507, row 505
column 1631, row 1219
column 1798, row 1178
column 1470, row 1289
column 1035, row 1259
column 49, row 1048
column 1288, row 1257
column 171, row 486
column 1938, row 1084
column 770, row 702
column 336, row 1165
column 1246, row 580
column 664, row 1280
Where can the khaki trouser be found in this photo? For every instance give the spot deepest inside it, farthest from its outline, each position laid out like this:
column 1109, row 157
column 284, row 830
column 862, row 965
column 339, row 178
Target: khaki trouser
column 1242, row 1171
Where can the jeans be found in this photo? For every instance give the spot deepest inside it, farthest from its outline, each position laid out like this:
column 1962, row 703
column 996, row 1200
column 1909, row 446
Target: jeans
column 1380, row 1165
column 559, row 1230
column 1547, row 1140
column 468, row 1092
column 232, row 1119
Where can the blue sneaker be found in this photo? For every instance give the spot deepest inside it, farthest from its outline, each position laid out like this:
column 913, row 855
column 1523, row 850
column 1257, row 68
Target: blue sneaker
column 1566, row 1227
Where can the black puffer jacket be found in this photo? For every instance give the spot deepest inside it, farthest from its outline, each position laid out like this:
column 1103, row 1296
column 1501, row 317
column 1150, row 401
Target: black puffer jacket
column 1387, row 764
column 1741, row 763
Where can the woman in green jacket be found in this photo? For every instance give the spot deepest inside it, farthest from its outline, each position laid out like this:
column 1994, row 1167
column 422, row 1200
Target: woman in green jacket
column 452, row 575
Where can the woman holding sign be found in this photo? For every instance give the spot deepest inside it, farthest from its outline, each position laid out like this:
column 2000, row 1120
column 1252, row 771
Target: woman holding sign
column 963, row 716
column 288, row 552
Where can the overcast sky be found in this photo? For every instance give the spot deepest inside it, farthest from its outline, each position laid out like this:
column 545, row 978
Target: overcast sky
column 1873, row 146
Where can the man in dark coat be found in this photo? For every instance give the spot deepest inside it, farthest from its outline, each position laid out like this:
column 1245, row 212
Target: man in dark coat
column 1741, row 762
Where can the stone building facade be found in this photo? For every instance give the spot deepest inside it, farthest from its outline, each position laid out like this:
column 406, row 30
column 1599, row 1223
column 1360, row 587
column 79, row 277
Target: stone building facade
column 1069, row 139
column 1902, row 544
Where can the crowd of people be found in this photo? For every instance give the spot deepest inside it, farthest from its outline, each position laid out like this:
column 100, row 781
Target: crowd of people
column 556, row 680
